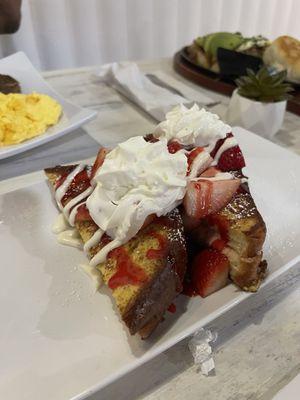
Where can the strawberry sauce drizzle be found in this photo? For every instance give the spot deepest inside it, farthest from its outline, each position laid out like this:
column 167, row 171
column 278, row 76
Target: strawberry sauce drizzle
column 172, row 308
column 162, row 249
column 174, row 146
column 128, row 273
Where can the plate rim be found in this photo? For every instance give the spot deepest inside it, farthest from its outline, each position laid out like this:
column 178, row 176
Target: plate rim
column 83, row 114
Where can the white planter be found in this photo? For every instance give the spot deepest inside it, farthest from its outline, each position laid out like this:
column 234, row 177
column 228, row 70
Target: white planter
column 265, row 119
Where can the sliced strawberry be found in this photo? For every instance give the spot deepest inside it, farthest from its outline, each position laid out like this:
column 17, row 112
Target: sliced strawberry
column 172, row 308
column 218, row 244
column 204, row 197
column 210, row 270
column 82, row 214
column 231, row 159
column 193, row 154
column 174, row 146
column 60, row 181
column 79, row 184
column 198, row 160
column 99, row 161
column 210, row 172
column 62, row 176
column 219, row 144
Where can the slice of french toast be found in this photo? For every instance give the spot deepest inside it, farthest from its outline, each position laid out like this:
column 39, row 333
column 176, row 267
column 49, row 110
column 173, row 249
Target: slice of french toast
column 238, row 231
column 245, row 238
column 145, row 274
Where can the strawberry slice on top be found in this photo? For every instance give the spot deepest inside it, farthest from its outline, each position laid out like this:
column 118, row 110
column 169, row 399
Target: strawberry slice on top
column 204, row 197
column 231, row 159
column 210, row 269
column 99, row 161
column 174, row 146
column 198, row 161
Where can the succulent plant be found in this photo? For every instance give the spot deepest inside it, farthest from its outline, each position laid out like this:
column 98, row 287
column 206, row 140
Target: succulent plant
column 263, row 86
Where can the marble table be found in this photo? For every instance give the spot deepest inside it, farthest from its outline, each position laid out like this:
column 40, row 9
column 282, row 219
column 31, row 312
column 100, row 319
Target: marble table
column 258, row 346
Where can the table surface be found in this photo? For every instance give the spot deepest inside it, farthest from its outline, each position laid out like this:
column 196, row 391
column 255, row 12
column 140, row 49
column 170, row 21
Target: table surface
column 258, row 347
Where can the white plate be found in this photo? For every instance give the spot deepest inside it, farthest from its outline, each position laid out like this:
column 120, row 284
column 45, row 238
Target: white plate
column 19, row 67
column 59, row 340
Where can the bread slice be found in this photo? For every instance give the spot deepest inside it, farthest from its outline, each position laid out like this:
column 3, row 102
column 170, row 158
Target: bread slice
column 241, row 228
column 284, row 54
column 246, row 236
column 154, row 264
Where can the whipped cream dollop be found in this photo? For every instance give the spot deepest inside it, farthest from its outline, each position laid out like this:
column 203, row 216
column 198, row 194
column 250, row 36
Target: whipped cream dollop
column 192, row 126
column 137, row 179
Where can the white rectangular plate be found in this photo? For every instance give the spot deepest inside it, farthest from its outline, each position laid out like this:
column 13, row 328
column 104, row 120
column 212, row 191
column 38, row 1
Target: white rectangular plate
column 59, row 340
column 19, row 67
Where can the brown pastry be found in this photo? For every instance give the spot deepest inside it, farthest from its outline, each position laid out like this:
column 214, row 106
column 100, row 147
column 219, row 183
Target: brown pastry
column 284, row 54
column 9, row 85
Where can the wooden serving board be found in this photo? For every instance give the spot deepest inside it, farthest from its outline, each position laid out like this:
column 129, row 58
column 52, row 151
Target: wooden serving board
column 214, row 82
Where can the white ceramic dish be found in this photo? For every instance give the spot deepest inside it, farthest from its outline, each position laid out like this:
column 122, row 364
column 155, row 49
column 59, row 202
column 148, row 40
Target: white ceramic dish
column 59, row 340
column 20, row 68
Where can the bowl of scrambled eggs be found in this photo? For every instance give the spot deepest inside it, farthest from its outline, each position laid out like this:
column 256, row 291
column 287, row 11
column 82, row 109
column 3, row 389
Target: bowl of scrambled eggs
column 25, row 116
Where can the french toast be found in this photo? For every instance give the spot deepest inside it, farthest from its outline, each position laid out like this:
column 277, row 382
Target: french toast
column 153, row 264
column 238, row 231
column 164, row 214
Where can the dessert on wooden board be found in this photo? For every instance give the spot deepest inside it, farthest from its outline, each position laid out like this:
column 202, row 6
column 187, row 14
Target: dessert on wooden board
column 165, row 214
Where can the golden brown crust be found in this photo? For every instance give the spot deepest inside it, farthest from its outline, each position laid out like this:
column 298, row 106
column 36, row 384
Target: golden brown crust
column 242, row 228
column 142, row 307
column 152, row 301
column 284, row 53
column 54, row 173
column 246, row 236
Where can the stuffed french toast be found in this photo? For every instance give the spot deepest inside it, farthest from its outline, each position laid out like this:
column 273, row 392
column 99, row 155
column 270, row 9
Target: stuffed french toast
column 165, row 214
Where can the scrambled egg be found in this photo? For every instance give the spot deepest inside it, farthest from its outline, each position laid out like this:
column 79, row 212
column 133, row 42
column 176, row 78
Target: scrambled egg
column 24, row 116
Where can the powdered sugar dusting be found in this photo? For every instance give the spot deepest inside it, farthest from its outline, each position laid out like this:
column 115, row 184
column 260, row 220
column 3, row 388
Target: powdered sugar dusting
column 242, row 207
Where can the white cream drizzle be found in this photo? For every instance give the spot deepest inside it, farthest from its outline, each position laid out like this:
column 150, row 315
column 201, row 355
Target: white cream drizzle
column 102, row 254
column 76, row 200
column 61, row 191
column 73, row 213
column 95, row 239
column 228, row 144
column 60, row 224
column 70, row 237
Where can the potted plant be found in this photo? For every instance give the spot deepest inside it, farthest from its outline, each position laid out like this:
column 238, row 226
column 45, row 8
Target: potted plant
column 259, row 102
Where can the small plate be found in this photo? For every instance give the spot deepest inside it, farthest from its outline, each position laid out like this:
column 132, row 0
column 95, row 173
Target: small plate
column 19, row 67
column 61, row 340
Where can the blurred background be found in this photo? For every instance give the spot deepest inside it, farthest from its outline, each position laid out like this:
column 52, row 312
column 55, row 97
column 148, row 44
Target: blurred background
column 70, row 33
